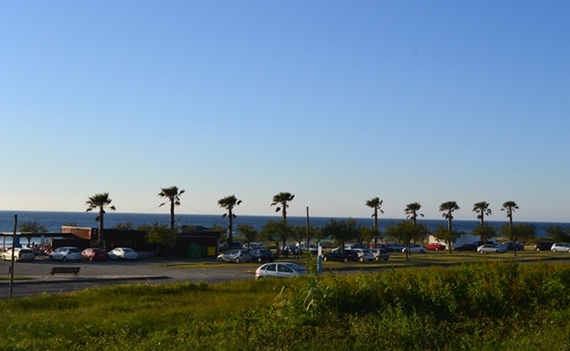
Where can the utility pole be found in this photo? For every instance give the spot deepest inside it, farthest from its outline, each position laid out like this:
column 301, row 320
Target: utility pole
column 12, row 261
column 308, row 233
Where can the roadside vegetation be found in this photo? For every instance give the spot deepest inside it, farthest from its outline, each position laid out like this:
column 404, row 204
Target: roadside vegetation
column 490, row 305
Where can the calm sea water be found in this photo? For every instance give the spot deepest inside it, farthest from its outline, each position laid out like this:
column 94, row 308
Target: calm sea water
column 54, row 220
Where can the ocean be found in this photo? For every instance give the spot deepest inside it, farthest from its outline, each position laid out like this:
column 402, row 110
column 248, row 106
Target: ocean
column 55, row 220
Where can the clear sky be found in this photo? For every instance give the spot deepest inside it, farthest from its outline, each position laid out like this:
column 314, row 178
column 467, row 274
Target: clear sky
column 336, row 102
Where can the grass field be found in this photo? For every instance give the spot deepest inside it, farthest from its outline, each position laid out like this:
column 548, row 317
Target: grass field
column 483, row 305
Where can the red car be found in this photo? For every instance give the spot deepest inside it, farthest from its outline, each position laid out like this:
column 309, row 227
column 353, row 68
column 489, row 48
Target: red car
column 94, row 254
column 435, row 246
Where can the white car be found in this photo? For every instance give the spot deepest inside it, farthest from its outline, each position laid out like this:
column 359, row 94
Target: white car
column 492, row 248
column 560, row 247
column 279, row 270
column 364, row 254
column 123, row 253
column 415, row 248
column 66, row 253
column 20, row 254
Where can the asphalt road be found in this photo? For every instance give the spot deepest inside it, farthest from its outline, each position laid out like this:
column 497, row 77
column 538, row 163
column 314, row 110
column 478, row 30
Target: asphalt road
column 112, row 272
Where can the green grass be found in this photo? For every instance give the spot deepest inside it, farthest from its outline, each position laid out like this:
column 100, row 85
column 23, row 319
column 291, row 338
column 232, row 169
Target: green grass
column 487, row 305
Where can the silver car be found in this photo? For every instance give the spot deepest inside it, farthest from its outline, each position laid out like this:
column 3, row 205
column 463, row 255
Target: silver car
column 237, row 256
column 280, row 270
column 66, row 253
column 491, row 248
column 380, row 254
column 20, row 254
column 560, row 247
column 364, row 254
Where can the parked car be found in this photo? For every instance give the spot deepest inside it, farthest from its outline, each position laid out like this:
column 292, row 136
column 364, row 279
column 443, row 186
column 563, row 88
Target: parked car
column 341, row 256
column 20, row 254
column 380, row 254
column 543, row 245
column 235, row 245
column 66, row 253
column 491, row 248
column 466, row 247
column 479, row 243
column 94, row 254
column 280, row 270
column 560, row 247
column 415, row 248
column 253, row 246
column 236, row 255
column 352, row 246
column 261, row 255
column 364, row 255
column 511, row 246
column 312, row 247
column 123, row 253
column 392, row 247
column 435, row 246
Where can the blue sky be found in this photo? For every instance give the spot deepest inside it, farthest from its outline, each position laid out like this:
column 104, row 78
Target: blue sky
column 336, row 102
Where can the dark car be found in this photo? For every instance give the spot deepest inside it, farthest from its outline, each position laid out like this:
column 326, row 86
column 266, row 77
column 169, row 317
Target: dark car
column 511, row 246
column 394, row 247
column 466, row 247
column 341, row 256
column 261, row 255
column 543, row 245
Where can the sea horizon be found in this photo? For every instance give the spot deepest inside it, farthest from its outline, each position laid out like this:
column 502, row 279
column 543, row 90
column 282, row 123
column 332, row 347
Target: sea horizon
column 53, row 220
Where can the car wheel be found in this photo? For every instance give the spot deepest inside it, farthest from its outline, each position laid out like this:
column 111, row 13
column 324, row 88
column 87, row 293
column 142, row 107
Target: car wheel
column 91, row 258
column 50, row 257
column 377, row 258
column 361, row 259
column 481, row 252
column 325, row 258
column 385, row 259
column 553, row 250
column 345, row 260
column 64, row 259
column 238, row 260
column 422, row 251
column 220, row 259
column 259, row 260
column 496, row 251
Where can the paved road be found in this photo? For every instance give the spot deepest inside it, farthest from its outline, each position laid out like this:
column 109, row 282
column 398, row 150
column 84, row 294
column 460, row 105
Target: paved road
column 112, row 272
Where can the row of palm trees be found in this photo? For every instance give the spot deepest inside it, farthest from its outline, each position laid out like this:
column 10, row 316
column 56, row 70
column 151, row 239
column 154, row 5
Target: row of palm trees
column 101, row 202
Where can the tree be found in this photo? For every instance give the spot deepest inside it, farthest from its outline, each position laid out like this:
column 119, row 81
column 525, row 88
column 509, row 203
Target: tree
column 229, row 202
column 447, row 236
column 248, row 232
column 282, row 199
column 160, row 234
column 510, row 207
column 222, row 230
column 520, row 232
column 173, row 196
column 406, row 231
column 482, row 209
column 375, row 204
column 100, row 202
column 411, row 211
column 557, row 234
column 32, row 227
column 276, row 232
column 447, row 208
column 342, row 231
column 485, row 232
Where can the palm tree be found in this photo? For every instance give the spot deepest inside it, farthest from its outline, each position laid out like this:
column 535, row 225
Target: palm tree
column 448, row 208
column 376, row 204
column 510, row 207
column 229, row 202
column 173, row 195
column 482, row 209
column 411, row 211
column 282, row 199
column 100, row 201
